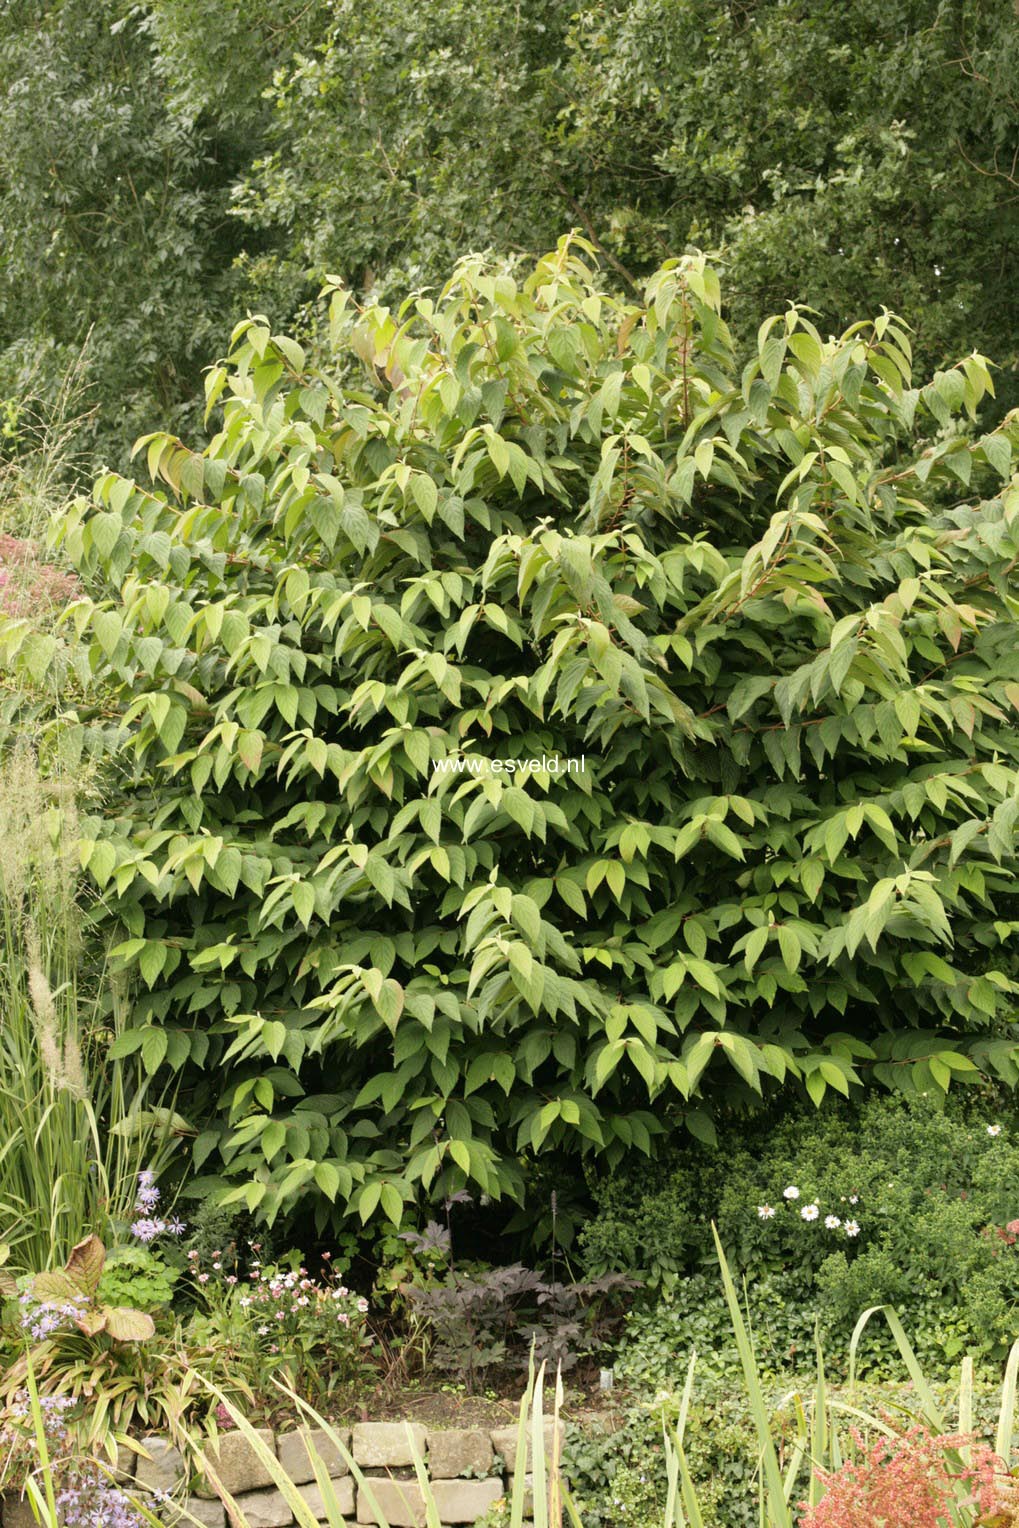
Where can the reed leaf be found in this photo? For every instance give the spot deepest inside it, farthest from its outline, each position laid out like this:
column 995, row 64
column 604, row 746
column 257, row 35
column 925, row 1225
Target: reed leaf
column 1006, row 1416
column 772, row 1475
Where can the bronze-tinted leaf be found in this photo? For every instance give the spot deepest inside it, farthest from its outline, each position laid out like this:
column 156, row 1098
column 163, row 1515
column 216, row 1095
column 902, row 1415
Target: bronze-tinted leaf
column 56, row 1286
column 85, row 1264
column 92, row 1320
column 127, row 1325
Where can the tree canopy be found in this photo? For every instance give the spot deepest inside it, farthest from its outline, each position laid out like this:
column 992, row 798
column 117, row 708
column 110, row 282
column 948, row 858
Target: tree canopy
column 168, row 165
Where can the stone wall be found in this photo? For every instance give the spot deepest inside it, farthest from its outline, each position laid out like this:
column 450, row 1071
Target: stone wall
column 469, row 1470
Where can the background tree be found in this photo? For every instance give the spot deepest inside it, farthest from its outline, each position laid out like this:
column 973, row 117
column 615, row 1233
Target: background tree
column 167, row 165
column 114, row 208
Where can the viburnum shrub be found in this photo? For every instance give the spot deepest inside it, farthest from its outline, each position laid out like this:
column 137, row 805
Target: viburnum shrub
column 537, row 731
column 908, row 1482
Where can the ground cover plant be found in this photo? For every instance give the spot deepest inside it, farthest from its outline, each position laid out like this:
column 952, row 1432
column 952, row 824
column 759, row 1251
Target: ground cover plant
column 910, row 1203
column 769, row 610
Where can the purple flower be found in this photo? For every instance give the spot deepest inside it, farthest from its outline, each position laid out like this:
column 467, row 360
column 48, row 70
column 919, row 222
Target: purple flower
column 147, row 1196
column 147, row 1230
column 84, row 1496
column 43, row 1319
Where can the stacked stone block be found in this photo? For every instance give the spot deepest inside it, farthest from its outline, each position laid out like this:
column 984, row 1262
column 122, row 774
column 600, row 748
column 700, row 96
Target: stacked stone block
column 469, row 1469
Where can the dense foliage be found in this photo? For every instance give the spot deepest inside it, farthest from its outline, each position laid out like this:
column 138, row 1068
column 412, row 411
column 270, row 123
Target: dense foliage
column 167, row 162
column 112, row 203
column 910, row 1203
column 554, row 742
column 385, row 962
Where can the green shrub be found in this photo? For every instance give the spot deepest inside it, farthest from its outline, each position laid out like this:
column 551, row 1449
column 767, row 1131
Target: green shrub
column 547, row 524
column 934, row 1193
column 929, row 1193
column 617, row 1473
column 660, row 1336
column 654, row 1220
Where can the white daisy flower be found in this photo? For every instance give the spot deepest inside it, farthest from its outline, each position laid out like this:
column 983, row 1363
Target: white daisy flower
column 994, row 1130
column 765, row 1211
column 854, row 1199
column 810, row 1212
column 832, row 1222
column 851, row 1228
column 792, row 1192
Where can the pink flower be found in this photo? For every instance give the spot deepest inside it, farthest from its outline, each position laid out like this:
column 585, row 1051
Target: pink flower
column 203, row 1278
column 903, row 1482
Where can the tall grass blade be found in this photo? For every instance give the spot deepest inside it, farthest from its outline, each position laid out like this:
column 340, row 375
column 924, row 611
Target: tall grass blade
column 200, row 1455
column 45, row 1498
column 966, row 1404
column 931, row 1411
column 555, row 1483
column 689, row 1491
column 1003, row 1438
column 801, row 1449
column 686, row 1397
column 821, row 1426
column 518, row 1493
column 673, row 1514
column 771, row 1471
column 431, row 1509
column 539, row 1477
column 322, row 1478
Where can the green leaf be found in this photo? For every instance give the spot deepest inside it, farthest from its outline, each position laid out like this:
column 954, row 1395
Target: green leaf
column 108, row 628
column 381, row 876
column 328, row 1180
column 789, row 944
column 389, row 1002
column 303, row 897
column 153, row 1048
column 391, row 1203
